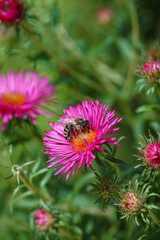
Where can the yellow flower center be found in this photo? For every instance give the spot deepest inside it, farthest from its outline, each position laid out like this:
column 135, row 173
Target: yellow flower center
column 16, row 99
column 78, row 142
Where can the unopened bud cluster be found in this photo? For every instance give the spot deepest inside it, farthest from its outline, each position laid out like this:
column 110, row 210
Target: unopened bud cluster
column 11, row 11
column 108, row 189
column 132, row 203
column 44, row 219
column 150, row 152
column 151, row 72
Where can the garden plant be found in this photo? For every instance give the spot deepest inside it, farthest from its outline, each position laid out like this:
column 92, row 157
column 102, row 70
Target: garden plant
column 79, row 120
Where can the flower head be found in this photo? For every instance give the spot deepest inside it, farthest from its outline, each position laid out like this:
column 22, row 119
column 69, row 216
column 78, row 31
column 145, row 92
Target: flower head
column 150, row 75
column 150, row 152
column 78, row 134
column 11, row 11
column 44, row 219
column 24, row 94
column 131, row 203
column 106, row 187
column 104, row 15
column 152, row 67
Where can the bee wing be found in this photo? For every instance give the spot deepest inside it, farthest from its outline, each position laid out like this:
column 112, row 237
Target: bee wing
column 66, row 119
column 60, row 122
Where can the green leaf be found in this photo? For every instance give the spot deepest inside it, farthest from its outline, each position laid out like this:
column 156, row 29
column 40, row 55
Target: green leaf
column 3, row 179
column 23, row 195
column 136, row 220
column 115, row 146
column 115, row 160
column 80, row 183
column 152, row 194
column 149, row 236
column 125, row 48
column 155, row 126
column 100, row 47
column 149, row 107
column 41, row 171
column 55, row 13
column 28, row 163
column 11, row 153
column 13, row 196
column 145, row 189
column 151, row 206
column 46, row 178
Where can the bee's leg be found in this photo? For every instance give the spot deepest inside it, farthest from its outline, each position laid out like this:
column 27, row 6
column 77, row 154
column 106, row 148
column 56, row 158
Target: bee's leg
column 69, row 136
column 75, row 129
column 87, row 125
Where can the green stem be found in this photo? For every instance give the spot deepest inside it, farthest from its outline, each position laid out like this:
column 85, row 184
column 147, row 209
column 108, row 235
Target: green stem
column 35, row 191
column 82, row 78
column 37, row 41
column 158, row 89
column 103, row 73
column 33, row 135
column 153, row 217
column 135, row 41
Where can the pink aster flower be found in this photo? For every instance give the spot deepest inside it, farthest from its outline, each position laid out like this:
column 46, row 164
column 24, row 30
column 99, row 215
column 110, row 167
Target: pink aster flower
column 151, row 154
column 44, row 219
column 77, row 149
column 131, row 203
column 128, row 202
column 11, row 11
column 149, row 151
column 104, row 15
column 134, row 202
column 151, row 67
column 24, row 94
column 150, row 73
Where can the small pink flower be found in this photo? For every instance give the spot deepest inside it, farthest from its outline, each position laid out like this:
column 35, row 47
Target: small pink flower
column 128, row 202
column 104, row 15
column 151, row 154
column 131, row 203
column 44, row 219
column 151, row 67
column 24, row 94
column 150, row 73
column 78, row 150
column 11, row 11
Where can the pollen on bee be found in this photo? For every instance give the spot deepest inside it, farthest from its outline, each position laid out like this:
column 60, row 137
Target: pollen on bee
column 78, row 143
column 16, row 99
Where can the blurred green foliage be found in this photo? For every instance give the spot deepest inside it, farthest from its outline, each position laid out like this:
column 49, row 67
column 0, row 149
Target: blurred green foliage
column 85, row 59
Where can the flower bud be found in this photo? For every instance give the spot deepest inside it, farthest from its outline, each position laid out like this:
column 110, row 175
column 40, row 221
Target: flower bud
column 44, row 219
column 152, row 67
column 150, row 76
column 151, row 154
column 106, row 188
column 150, row 151
column 11, row 11
column 151, row 72
column 131, row 203
column 104, row 15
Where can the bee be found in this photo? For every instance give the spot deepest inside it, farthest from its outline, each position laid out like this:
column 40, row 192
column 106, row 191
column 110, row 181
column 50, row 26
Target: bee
column 74, row 125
